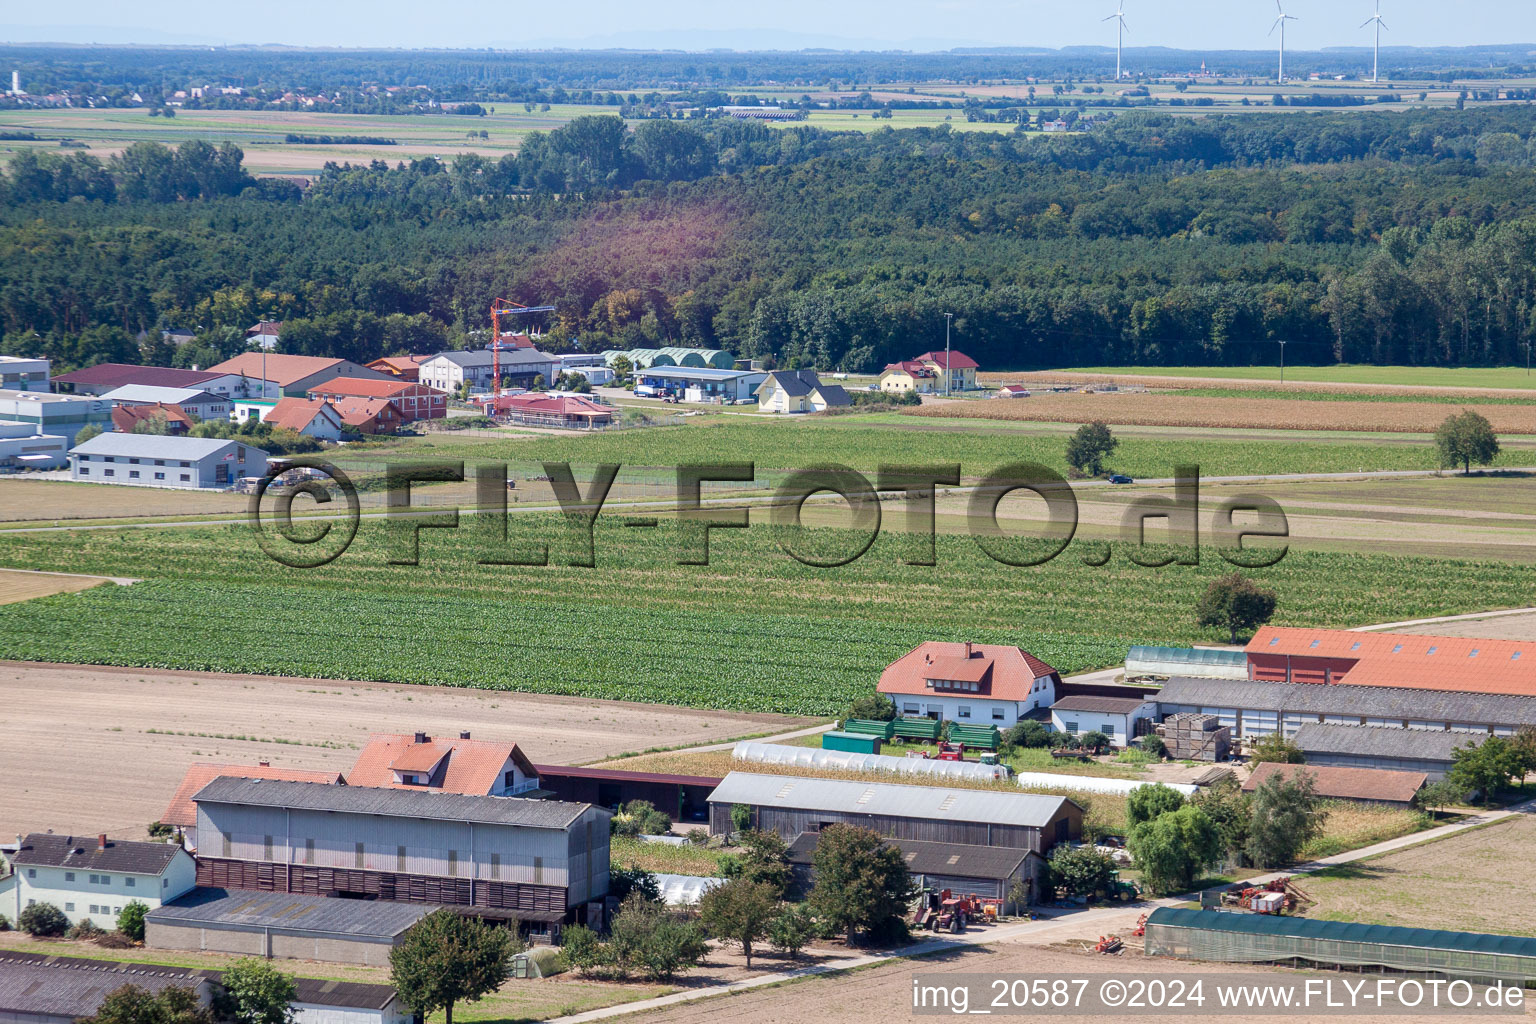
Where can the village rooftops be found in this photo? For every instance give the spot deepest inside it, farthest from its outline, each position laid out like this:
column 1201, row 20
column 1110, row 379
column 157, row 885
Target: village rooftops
column 155, row 446
column 952, row 360
column 151, row 393
column 282, row 370
column 116, row 375
column 1405, row 660
column 884, row 799
column 1000, row 672
column 1343, row 699
column 293, row 913
column 1384, row 741
column 398, row 803
column 1102, row 705
column 1343, row 782
column 473, row 767
column 91, row 853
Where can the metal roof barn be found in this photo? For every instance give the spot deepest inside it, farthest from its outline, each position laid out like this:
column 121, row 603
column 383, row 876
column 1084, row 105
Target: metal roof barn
column 1272, row 938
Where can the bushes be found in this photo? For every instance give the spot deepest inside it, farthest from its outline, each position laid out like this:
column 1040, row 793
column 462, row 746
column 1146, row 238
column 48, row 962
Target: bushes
column 130, row 920
column 43, row 920
column 647, row 940
column 640, row 818
column 86, row 931
column 875, row 706
column 1028, row 733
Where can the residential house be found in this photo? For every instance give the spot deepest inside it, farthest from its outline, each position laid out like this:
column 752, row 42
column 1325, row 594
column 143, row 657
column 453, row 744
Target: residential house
column 463, row 765
column 368, row 415
column 414, row 400
column 908, row 375
column 62, row 415
column 572, row 412
column 22, row 447
column 311, row 417
column 104, row 377
column 205, row 405
column 264, row 334
column 980, row 684
column 449, row 371
column 294, row 376
column 961, row 370
column 799, row 391
column 18, row 373
column 95, row 877
column 541, row 860
column 126, row 418
column 151, row 460
column 181, row 813
column 1115, row 717
column 399, row 367
column 1336, row 782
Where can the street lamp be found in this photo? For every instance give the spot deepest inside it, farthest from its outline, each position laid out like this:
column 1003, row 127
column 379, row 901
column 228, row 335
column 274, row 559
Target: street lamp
column 1282, row 361
column 948, row 375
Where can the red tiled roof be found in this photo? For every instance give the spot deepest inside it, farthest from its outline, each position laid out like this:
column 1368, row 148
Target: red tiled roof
column 280, row 369
column 183, row 811
column 1010, row 671
column 559, row 405
column 296, row 413
column 126, row 417
column 909, row 366
column 957, row 360
column 1339, row 782
column 360, row 387
column 1409, row 660
column 115, row 375
column 356, row 412
column 397, row 364
column 273, row 327
column 473, row 766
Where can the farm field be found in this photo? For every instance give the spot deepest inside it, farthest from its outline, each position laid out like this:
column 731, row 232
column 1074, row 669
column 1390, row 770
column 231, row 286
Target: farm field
column 1185, row 410
column 17, row 586
column 782, row 636
column 1400, row 376
column 1445, row 884
column 143, row 727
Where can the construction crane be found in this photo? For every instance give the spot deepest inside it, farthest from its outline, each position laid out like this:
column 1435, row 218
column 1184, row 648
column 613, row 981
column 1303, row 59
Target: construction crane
column 499, row 309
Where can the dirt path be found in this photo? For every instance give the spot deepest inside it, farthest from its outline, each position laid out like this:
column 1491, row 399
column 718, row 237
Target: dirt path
column 92, row 749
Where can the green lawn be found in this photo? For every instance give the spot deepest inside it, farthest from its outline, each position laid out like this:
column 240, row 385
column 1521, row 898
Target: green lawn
column 1418, row 376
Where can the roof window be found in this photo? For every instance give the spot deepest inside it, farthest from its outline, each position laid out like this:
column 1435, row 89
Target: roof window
column 1432, row 650
column 1355, row 646
column 1474, row 653
column 1273, row 641
column 1397, row 648
column 1314, row 643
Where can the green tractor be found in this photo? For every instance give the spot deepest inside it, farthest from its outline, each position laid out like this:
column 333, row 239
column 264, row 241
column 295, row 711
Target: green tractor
column 1121, row 889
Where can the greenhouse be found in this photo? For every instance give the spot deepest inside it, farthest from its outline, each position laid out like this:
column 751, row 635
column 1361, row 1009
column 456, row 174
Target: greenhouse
column 1199, row 662
column 1095, row 784
column 1265, row 938
column 848, row 761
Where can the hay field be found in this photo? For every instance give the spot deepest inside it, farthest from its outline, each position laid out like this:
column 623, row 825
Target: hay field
column 1174, row 410
column 1395, row 376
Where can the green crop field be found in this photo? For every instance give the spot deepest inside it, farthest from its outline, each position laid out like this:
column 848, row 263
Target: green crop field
column 754, row 630
column 1414, row 376
column 865, row 443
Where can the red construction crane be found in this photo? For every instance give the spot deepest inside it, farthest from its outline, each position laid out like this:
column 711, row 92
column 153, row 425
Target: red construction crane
column 500, row 308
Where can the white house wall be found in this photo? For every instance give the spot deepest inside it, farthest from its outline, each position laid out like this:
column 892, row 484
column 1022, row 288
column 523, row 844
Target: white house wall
column 77, row 895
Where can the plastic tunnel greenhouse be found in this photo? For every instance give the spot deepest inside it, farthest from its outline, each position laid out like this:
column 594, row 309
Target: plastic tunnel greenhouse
column 810, row 757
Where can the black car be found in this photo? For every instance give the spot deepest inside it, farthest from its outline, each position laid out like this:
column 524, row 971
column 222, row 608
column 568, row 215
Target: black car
column 1119, row 478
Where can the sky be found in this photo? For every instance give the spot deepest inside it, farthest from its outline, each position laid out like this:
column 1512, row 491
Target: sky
column 789, row 24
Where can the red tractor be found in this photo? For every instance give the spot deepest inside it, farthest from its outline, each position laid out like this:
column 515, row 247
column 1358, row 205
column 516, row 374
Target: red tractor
column 951, row 752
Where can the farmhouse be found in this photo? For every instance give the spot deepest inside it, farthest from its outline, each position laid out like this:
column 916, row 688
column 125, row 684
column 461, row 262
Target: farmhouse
column 95, row 877
column 1119, row 718
column 283, row 924
column 415, row 401
column 289, row 375
column 126, row 418
column 908, row 375
column 1404, row 750
column 966, row 682
column 1252, row 709
column 205, row 405
column 990, row 872
column 105, row 377
column 22, row 447
column 571, row 412
column 463, row 765
column 698, row 383
column 959, row 367
column 64, row 415
column 150, row 460
column 790, row 805
column 1332, row 782
column 369, row 415
column 1335, row 656
column 308, row 416
column 536, row 860
column 182, row 812
column 799, row 391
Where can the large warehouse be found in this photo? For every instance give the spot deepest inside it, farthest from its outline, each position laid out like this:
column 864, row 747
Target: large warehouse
column 1270, row 938
column 790, row 805
column 537, row 860
column 1403, row 660
column 282, row 924
column 1364, row 746
column 1253, row 708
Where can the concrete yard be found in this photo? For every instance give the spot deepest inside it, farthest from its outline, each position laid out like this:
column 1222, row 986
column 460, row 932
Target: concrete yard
column 101, row 749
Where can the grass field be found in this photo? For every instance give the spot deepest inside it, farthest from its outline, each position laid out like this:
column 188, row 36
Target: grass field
column 1407, row 376
column 754, row 630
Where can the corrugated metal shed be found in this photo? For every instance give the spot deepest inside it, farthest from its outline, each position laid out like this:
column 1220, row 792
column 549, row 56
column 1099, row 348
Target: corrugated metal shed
column 292, row 913
column 1378, row 741
column 934, row 858
column 403, row 803
column 1186, row 661
column 1341, row 698
column 55, row 987
column 1309, row 928
column 887, row 799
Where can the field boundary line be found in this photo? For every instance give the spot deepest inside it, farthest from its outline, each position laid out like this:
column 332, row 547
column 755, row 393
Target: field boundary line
column 1467, row 617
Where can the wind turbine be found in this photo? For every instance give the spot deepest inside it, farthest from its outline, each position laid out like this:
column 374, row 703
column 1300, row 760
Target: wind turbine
column 1118, row 16
column 1376, row 55
column 1280, row 24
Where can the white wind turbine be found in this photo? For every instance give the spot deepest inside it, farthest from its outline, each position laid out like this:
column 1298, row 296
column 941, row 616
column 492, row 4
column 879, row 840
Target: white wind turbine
column 1280, row 24
column 1376, row 54
column 1118, row 16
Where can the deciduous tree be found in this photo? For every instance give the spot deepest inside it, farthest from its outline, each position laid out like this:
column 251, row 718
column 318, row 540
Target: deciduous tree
column 447, row 958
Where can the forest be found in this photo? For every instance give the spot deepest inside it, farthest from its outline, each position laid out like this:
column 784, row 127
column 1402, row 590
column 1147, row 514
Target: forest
column 1405, row 237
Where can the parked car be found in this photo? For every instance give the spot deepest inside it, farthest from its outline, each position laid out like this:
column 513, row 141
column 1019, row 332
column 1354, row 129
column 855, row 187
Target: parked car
column 1119, row 478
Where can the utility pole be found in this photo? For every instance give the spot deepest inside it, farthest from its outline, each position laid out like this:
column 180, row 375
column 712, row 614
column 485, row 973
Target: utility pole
column 1527, row 357
column 1282, row 361
column 948, row 319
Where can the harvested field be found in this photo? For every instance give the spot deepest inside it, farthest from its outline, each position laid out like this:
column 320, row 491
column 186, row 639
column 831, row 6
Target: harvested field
column 23, row 500
column 137, row 730
column 1397, row 377
column 1173, row 410
column 1502, row 627
column 1473, row 881
column 18, row 585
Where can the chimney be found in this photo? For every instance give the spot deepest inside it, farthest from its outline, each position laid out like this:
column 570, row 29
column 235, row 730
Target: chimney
column 264, row 763
column 421, row 737
column 101, row 841
column 464, row 735
column 967, row 648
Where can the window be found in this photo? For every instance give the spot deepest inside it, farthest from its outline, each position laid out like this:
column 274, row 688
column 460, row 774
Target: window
column 1432, row 650
column 510, row 780
column 1273, row 641
column 266, row 847
column 185, row 477
column 453, row 863
column 309, row 851
column 111, row 472
column 357, row 861
column 130, row 882
column 1355, row 646
column 399, row 858
column 1071, row 727
column 106, row 879
column 1515, row 656
column 84, row 471
column 95, row 879
column 69, row 907
column 111, row 458
column 1397, row 648
column 911, row 709
column 165, row 883
column 159, row 476
column 1314, row 643
column 538, row 871
column 133, row 474
column 964, row 711
column 159, row 462
column 69, row 876
column 495, row 865
column 1474, row 652
column 225, row 838
column 997, row 714
column 32, row 873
